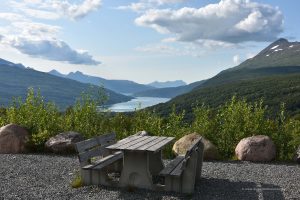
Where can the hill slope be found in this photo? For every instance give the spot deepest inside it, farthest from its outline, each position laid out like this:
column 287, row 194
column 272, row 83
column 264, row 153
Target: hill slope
column 262, row 73
column 120, row 86
column 278, row 54
column 14, row 82
column 272, row 89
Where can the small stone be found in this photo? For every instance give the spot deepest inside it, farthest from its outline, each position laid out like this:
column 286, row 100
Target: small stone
column 142, row 133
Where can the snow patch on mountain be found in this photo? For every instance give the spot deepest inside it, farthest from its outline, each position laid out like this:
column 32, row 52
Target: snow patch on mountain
column 275, row 47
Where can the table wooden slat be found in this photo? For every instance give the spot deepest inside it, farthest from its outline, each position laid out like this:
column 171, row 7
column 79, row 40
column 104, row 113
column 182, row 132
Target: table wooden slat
column 159, row 145
column 148, row 140
column 150, row 144
column 133, row 142
column 123, row 141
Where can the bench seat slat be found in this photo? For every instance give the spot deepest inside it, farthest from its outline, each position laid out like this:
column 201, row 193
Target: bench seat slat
column 105, row 161
column 179, row 168
column 171, row 166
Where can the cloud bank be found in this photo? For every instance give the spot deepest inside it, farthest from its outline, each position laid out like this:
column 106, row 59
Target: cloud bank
column 144, row 5
column 229, row 21
column 40, row 40
column 51, row 50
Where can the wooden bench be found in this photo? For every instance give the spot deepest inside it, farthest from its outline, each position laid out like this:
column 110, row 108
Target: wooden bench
column 182, row 172
column 95, row 171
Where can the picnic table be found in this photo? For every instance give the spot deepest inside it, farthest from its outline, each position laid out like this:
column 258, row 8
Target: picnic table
column 142, row 159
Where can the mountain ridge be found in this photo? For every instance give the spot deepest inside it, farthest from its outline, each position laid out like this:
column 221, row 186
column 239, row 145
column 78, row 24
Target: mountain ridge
column 169, row 92
column 250, row 71
column 16, row 80
column 119, row 86
column 167, row 84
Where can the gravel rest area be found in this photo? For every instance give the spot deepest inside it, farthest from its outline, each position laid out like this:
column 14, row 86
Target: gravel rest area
column 36, row 176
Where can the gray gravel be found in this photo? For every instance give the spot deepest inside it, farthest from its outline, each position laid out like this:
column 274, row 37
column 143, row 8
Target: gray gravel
column 49, row 177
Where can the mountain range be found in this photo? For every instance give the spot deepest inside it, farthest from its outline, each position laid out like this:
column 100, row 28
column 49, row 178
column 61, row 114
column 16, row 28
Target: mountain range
column 272, row 75
column 15, row 80
column 167, row 84
column 168, row 92
column 119, row 86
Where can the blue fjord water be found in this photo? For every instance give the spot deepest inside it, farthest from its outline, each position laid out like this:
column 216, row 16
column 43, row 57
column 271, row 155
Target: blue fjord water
column 136, row 103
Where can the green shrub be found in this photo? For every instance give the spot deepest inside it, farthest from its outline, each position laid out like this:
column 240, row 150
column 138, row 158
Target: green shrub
column 41, row 119
column 224, row 126
column 77, row 181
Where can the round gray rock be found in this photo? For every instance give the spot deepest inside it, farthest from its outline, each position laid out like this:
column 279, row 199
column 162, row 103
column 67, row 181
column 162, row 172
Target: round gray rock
column 13, row 139
column 63, row 142
column 182, row 145
column 259, row 148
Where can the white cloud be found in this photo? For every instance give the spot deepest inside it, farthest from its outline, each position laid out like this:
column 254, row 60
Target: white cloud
column 181, row 50
column 9, row 16
column 39, row 39
column 143, row 5
column 76, row 11
column 54, row 9
column 50, row 50
column 236, row 59
column 229, row 21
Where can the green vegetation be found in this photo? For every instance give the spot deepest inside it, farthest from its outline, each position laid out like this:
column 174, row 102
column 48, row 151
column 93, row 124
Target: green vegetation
column 224, row 126
column 272, row 89
column 77, row 181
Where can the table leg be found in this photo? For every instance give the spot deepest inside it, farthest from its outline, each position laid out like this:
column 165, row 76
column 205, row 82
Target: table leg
column 135, row 172
column 155, row 162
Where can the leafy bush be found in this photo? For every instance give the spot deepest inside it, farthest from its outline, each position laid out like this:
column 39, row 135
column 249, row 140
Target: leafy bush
column 41, row 119
column 225, row 126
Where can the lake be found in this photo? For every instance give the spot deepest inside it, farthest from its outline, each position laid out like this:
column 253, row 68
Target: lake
column 137, row 103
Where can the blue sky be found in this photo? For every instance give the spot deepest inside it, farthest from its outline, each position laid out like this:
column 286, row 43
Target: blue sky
column 142, row 40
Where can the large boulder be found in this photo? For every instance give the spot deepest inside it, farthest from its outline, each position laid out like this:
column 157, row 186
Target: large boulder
column 182, row 145
column 259, row 148
column 297, row 156
column 13, row 139
column 63, row 142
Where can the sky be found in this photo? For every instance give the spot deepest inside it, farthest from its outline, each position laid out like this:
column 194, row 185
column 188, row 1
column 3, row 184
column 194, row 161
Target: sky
column 142, row 40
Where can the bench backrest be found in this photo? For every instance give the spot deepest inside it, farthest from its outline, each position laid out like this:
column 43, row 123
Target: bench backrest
column 93, row 147
column 193, row 149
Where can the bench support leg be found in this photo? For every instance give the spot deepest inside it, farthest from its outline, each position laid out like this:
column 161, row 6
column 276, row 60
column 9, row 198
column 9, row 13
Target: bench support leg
column 86, row 176
column 94, row 177
column 173, row 184
column 199, row 161
column 155, row 163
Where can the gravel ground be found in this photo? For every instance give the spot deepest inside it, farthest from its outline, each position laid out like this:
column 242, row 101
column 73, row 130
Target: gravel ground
column 49, row 177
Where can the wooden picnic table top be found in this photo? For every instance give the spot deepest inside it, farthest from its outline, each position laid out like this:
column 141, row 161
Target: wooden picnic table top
column 141, row 143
